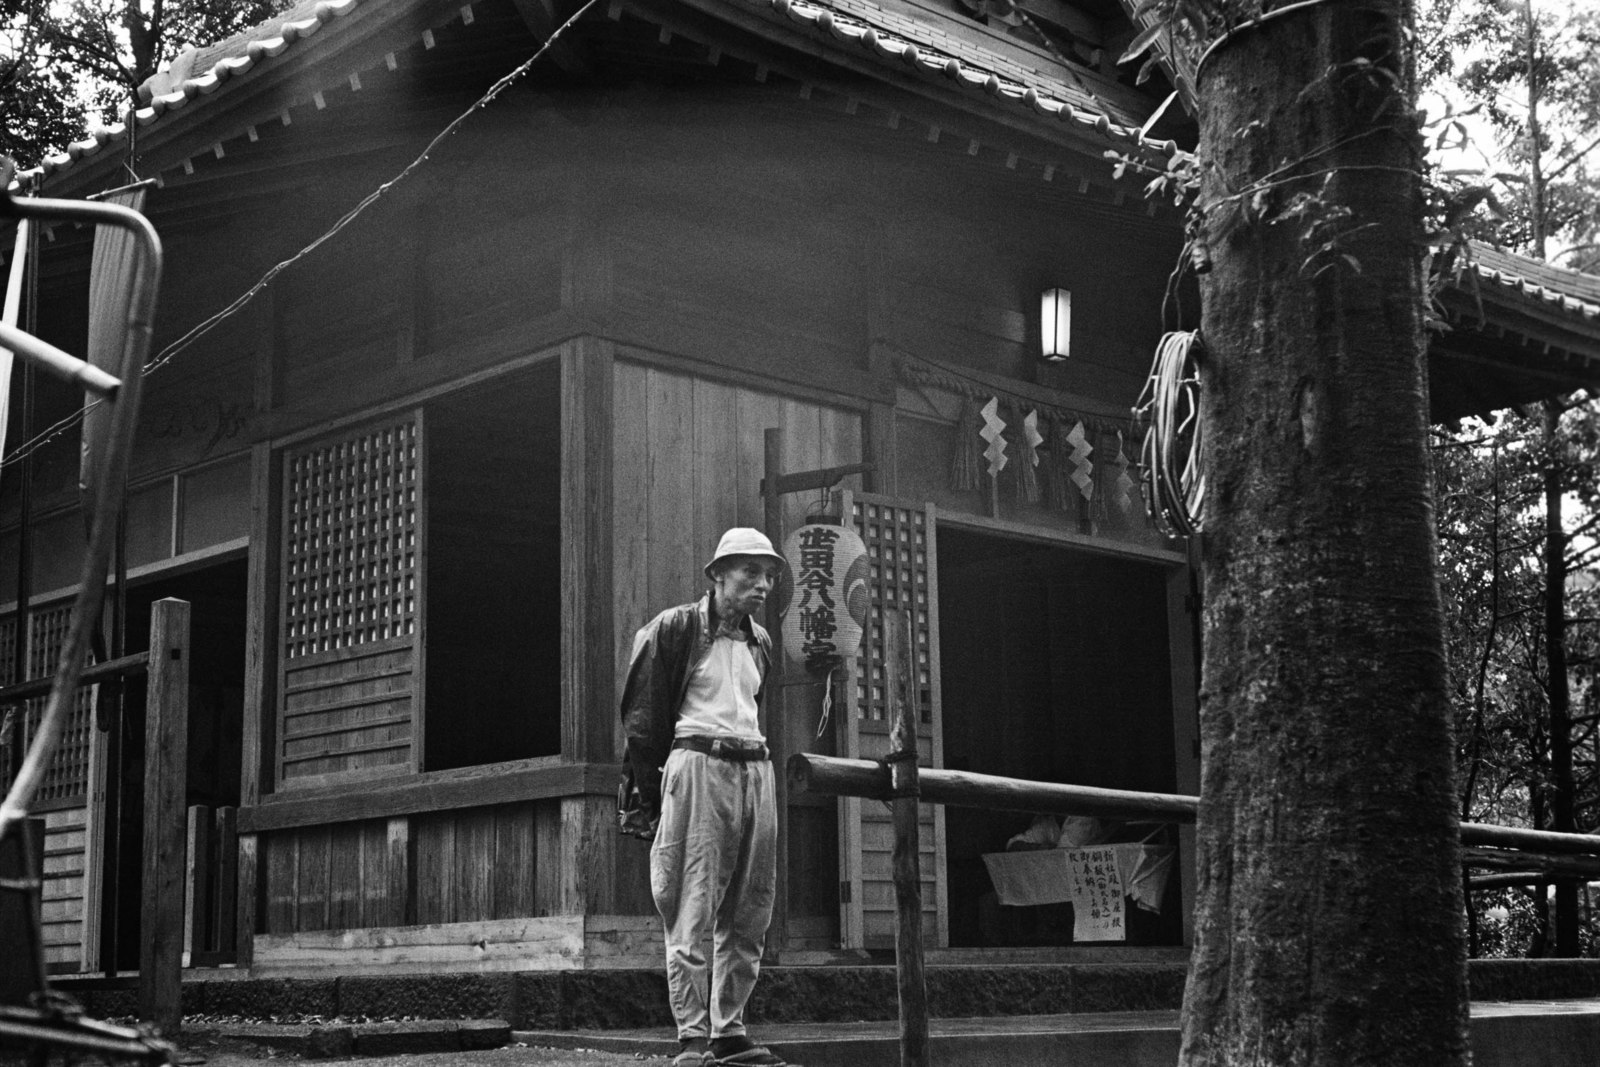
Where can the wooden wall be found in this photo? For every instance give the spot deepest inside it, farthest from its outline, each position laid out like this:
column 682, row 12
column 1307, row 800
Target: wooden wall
column 443, row 867
column 688, row 465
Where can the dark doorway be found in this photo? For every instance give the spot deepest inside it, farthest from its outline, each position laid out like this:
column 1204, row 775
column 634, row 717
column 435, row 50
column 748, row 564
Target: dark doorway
column 216, row 594
column 1054, row 667
column 493, row 598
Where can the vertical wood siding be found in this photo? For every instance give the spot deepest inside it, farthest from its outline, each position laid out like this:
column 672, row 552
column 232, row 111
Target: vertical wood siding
column 65, row 893
column 465, row 865
column 688, row 464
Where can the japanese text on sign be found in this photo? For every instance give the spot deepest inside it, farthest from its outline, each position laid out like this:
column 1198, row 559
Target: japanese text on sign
column 1098, row 909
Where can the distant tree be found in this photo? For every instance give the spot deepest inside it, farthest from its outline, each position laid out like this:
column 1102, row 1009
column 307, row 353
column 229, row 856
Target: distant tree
column 1526, row 711
column 1532, row 71
column 64, row 63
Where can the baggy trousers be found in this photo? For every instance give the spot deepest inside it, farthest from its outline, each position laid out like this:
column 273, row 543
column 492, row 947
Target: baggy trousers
column 713, row 869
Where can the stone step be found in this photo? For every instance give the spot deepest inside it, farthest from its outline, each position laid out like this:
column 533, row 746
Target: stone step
column 1519, row 1034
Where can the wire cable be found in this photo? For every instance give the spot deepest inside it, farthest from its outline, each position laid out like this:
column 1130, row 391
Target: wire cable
column 1172, row 455
column 167, row 354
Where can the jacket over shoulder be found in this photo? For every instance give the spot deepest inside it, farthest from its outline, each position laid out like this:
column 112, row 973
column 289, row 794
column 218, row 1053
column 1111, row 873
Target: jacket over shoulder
column 665, row 652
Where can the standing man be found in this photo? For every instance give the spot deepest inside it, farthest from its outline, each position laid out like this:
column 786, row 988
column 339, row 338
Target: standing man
column 700, row 765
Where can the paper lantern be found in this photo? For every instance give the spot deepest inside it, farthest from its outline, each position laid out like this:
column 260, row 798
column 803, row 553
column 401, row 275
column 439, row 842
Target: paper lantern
column 828, row 596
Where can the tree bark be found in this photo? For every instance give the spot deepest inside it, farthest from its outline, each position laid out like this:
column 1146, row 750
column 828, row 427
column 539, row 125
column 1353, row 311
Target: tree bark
column 1328, row 921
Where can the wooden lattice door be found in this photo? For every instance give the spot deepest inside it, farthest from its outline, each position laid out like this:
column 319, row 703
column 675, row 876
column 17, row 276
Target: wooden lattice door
column 350, row 650
column 68, row 798
column 901, row 547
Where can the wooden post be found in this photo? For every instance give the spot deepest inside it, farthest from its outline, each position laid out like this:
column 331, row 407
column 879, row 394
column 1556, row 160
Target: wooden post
column 166, row 757
column 772, row 519
column 22, row 971
column 225, row 900
column 197, row 902
column 898, row 665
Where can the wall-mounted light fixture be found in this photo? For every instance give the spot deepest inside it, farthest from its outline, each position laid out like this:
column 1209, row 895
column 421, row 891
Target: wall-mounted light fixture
column 1055, row 325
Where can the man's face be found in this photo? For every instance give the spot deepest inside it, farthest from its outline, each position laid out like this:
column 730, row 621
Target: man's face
column 745, row 583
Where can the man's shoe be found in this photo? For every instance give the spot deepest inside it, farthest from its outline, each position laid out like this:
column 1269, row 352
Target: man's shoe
column 692, row 1052
column 740, row 1051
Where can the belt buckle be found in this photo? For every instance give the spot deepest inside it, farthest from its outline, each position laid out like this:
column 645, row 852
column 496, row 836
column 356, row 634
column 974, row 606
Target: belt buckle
column 719, row 749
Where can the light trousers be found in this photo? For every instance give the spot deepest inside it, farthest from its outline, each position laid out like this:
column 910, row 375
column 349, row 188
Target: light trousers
column 713, row 870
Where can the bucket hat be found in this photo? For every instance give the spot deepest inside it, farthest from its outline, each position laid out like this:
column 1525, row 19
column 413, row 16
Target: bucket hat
column 744, row 541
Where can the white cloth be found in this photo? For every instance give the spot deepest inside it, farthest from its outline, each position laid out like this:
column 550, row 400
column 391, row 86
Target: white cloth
column 1043, row 876
column 721, row 697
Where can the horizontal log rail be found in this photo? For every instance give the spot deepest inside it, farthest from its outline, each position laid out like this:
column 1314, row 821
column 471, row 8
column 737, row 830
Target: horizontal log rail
column 1486, row 845
column 837, row 776
column 121, row 667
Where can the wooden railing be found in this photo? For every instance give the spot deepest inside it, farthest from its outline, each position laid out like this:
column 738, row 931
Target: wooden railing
column 165, row 868
column 898, row 781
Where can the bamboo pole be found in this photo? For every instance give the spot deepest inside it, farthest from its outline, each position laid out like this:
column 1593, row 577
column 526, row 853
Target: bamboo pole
column 908, row 958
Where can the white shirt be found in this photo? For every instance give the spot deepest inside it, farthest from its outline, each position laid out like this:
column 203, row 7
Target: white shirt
column 721, row 696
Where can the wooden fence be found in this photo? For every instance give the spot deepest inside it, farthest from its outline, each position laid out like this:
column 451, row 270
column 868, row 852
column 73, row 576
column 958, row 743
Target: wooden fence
column 1530, row 855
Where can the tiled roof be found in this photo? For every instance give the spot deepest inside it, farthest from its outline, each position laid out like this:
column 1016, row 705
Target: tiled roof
column 930, row 50
column 892, row 38
column 1567, row 290
column 218, row 63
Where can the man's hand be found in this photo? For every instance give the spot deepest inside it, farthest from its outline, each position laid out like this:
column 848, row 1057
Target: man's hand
column 638, row 814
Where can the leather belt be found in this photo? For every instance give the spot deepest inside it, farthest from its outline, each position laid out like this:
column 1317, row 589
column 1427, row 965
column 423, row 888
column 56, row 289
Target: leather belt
column 724, row 748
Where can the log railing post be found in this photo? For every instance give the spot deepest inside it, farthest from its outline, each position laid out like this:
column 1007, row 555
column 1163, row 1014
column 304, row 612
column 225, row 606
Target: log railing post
column 899, row 674
column 166, row 753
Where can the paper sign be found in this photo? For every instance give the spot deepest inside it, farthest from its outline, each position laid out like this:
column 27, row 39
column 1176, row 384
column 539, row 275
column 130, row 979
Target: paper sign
column 1098, row 910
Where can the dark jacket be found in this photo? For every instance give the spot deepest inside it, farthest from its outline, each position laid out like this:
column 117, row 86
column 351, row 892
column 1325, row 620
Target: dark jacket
column 665, row 652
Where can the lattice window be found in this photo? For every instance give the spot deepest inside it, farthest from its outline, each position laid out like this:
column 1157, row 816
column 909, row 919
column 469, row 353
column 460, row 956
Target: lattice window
column 67, row 776
column 350, row 540
column 897, row 545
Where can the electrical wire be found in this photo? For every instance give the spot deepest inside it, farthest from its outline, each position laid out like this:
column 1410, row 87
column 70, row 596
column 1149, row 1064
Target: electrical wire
column 167, row 354
column 1172, row 455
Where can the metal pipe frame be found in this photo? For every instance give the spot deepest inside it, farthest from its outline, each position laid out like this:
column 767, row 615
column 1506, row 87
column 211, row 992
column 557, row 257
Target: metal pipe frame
column 110, row 469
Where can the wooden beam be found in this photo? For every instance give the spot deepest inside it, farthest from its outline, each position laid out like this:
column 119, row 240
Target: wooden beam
column 197, row 895
column 822, row 478
column 588, row 698
column 259, row 725
column 121, row 667
column 1542, row 865
column 165, row 780
column 247, row 907
column 964, row 789
column 774, row 709
column 225, row 904
column 882, row 445
column 588, row 855
column 442, row 791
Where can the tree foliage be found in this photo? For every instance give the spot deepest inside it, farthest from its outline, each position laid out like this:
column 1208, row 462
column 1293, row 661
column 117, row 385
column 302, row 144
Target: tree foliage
column 1479, row 51
column 65, row 64
column 1492, row 534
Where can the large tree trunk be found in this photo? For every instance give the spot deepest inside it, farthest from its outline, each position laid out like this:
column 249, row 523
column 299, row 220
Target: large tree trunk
column 1328, row 926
